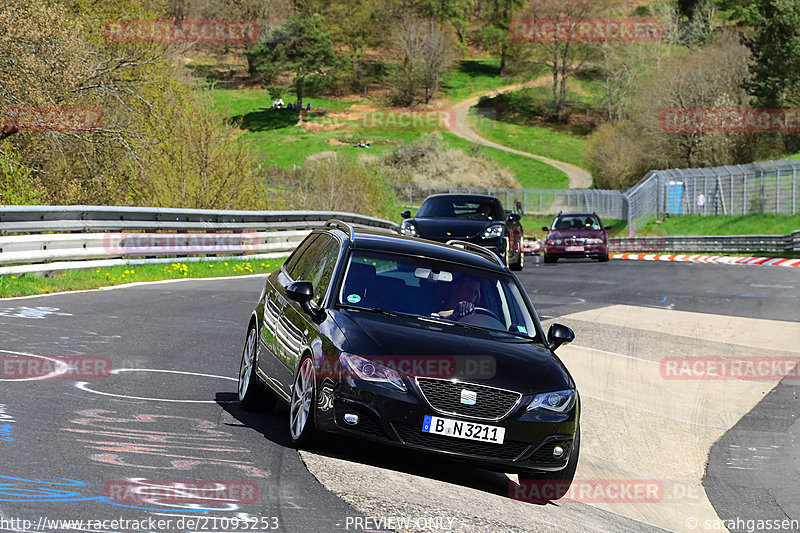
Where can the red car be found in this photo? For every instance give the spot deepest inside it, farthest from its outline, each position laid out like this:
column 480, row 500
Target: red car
column 576, row 235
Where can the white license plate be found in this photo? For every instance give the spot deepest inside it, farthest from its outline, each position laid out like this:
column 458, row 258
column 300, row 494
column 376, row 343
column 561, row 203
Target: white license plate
column 574, row 249
column 463, row 430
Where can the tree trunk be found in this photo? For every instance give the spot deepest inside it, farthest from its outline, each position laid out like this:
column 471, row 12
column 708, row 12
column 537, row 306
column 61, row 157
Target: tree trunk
column 299, row 93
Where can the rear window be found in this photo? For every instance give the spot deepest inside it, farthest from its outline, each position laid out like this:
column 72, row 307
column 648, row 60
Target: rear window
column 576, row 222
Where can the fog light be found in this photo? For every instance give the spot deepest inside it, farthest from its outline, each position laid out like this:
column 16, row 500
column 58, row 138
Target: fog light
column 352, row 419
column 558, row 451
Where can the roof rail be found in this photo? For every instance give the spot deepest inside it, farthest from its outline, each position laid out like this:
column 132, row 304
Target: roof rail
column 472, row 247
column 344, row 226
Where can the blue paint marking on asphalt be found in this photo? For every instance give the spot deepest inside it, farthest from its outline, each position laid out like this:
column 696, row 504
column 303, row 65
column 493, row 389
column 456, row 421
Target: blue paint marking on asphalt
column 6, row 432
column 42, row 492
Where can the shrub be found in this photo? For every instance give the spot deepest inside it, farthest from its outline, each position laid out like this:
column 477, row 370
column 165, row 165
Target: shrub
column 428, row 161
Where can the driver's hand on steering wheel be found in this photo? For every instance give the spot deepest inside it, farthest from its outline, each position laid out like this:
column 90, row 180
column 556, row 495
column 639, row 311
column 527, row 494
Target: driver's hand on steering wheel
column 462, row 309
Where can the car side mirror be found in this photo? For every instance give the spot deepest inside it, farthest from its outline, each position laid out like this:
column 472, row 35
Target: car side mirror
column 406, row 214
column 607, row 228
column 559, row 334
column 302, row 292
column 513, row 217
column 545, row 229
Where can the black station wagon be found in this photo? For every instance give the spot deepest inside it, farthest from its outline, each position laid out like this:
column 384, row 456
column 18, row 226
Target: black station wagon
column 428, row 346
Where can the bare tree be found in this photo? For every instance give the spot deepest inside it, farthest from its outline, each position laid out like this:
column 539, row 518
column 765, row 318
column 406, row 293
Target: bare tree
column 565, row 55
column 426, row 52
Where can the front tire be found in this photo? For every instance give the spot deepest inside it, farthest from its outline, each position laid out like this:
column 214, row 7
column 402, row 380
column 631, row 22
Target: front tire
column 603, row 258
column 556, row 483
column 520, row 262
column 302, row 408
column 549, row 258
column 252, row 393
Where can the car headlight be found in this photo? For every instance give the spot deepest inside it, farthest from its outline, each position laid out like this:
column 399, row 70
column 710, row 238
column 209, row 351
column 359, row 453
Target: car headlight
column 558, row 241
column 557, row 402
column 493, row 232
column 408, row 228
column 594, row 241
column 373, row 372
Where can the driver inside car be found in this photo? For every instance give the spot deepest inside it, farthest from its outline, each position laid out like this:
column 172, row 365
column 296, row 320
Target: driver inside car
column 462, row 299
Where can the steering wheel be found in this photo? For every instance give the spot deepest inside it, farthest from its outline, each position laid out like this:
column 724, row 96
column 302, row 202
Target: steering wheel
column 484, row 311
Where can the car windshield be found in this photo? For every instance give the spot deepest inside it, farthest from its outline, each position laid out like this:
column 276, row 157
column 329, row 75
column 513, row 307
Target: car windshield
column 431, row 289
column 573, row 222
column 461, row 208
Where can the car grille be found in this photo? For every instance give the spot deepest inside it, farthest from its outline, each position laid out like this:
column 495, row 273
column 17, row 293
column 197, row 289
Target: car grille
column 368, row 422
column 413, row 435
column 544, row 454
column 445, row 396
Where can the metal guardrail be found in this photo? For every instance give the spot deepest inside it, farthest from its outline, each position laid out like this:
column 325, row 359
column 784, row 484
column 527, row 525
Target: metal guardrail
column 726, row 244
column 52, row 238
column 757, row 188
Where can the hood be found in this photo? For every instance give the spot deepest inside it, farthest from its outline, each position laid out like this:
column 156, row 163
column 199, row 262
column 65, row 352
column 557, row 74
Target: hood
column 459, row 228
column 426, row 348
column 579, row 233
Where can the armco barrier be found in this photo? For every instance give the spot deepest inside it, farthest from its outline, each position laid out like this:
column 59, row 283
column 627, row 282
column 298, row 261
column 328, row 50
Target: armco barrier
column 724, row 244
column 51, row 238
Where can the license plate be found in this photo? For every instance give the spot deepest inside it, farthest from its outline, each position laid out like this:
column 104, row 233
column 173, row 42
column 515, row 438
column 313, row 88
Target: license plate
column 574, row 249
column 463, row 430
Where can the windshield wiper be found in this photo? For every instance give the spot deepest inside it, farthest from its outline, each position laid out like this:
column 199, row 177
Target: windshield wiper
column 379, row 310
column 440, row 320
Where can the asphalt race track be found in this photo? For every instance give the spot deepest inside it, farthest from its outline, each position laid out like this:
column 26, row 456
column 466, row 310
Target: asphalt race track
column 149, row 401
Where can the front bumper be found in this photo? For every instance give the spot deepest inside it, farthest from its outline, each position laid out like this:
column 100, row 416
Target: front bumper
column 396, row 418
column 593, row 251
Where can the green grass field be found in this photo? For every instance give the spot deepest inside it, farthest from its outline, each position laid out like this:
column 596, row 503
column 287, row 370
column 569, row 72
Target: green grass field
column 277, row 140
column 478, row 75
column 74, row 280
column 536, row 140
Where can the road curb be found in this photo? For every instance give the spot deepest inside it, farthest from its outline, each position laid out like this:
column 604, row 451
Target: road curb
column 718, row 259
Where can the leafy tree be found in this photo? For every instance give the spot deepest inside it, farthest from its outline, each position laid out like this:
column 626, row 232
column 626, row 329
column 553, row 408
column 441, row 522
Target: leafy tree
column 775, row 49
column 300, row 49
column 496, row 20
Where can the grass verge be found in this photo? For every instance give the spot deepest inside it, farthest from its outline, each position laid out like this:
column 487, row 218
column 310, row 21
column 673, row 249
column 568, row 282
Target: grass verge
column 722, row 225
column 74, row 280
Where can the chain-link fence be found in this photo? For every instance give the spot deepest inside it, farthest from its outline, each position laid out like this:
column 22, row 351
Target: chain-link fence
column 607, row 204
column 755, row 188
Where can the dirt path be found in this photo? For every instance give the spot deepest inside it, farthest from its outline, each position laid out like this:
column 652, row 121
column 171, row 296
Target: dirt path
column 578, row 178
